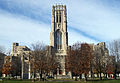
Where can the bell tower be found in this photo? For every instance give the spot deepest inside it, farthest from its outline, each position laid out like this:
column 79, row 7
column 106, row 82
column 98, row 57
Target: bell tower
column 59, row 34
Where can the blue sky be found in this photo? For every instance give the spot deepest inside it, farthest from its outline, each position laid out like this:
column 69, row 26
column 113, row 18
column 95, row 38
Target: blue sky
column 29, row 21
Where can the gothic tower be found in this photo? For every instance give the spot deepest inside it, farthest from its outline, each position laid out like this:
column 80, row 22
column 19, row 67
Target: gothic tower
column 59, row 34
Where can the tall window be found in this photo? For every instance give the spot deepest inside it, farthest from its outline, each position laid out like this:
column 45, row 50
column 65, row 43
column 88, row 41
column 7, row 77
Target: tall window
column 57, row 16
column 60, row 17
column 58, row 39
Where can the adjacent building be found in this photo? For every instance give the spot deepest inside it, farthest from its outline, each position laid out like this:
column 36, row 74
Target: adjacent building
column 20, row 59
column 102, row 60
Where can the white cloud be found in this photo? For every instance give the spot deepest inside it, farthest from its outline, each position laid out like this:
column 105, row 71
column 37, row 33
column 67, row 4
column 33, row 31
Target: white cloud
column 17, row 29
column 75, row 37
column 99, row 19
column 95, row 19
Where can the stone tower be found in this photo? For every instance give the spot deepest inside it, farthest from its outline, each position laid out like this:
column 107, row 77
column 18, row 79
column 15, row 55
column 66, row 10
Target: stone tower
column 59, row 35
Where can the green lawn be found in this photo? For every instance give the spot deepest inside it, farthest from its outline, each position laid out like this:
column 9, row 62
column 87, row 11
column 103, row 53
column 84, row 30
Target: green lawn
column 105, row 81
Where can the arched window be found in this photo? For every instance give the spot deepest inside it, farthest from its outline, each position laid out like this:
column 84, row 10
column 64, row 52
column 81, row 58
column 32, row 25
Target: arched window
column 58, row 39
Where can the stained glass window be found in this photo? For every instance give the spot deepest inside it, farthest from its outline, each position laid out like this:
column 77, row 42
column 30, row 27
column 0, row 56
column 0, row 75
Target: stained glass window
column 58, row 39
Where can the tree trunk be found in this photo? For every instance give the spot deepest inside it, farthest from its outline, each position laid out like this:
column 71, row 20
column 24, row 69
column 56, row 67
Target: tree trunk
column 85, row 77
column 33, row 76
column 76, row 78
column 80, row 77
column 106, row 75
column 97, row 75
column 40, row 74
column 72, row 75
column 115, row 75
column 100, row 76
column 115, row 72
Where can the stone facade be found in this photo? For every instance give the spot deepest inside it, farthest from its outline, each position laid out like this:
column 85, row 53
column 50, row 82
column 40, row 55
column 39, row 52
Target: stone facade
column 21, row 55
column 101, row 55
column 102, row 52
column 18, row 50
column 101, row 48
column 23, row 52
column 59, row 35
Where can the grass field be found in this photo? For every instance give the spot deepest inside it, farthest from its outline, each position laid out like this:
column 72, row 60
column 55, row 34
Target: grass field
column 19, row 81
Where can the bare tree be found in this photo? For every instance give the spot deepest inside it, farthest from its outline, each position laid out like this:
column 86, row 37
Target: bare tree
column 72, row 60
column 7, row 68
column 51, row 64
column 86, row 52
column 2, row 49
column 114, row 48
column 38, row 58
column 11, row 66
column 108, row 66
column 42, row 61
column 2, row 55
column 78, row 59
column 98, row 62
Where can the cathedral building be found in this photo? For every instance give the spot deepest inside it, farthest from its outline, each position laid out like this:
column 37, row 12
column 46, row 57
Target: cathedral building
column 59, row 35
